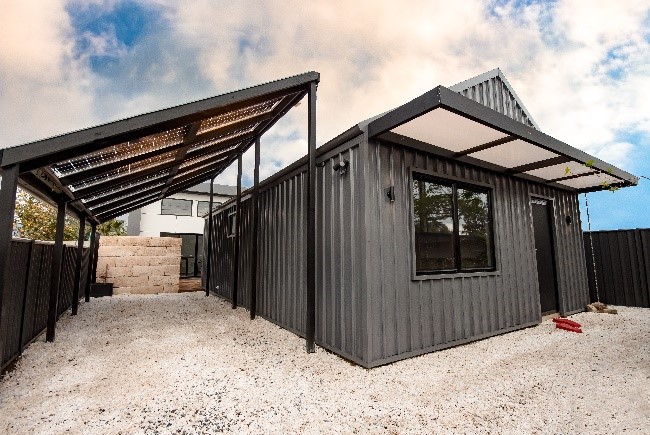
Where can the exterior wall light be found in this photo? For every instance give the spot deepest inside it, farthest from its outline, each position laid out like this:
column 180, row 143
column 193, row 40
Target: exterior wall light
column 342, row 166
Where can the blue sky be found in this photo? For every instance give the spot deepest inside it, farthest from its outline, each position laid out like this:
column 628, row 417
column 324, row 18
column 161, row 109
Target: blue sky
column 579, row 66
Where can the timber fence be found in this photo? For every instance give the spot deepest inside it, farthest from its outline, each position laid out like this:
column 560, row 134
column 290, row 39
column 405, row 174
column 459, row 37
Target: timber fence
column 25, row 303
column 622, row 259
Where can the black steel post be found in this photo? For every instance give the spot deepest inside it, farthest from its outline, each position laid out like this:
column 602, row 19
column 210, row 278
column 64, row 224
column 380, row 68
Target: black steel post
column 310, row 318
column 256, row 205
column 55, row 275
column 98, row 237
column 208, row 261
column 25, row 289
column 77, row 270
column 235, row 283
column 8, row 186
column 91, row 261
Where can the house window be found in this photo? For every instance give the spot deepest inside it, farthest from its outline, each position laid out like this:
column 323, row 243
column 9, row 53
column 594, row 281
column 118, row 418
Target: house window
column 203, row 207
column 453, row 228
column 177, row 207
column 232, row 224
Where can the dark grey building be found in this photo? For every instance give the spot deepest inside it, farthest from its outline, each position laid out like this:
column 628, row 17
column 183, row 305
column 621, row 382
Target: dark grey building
column 446, row 220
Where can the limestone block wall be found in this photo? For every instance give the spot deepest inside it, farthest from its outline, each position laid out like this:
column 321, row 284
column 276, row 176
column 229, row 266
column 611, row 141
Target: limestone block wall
column 142, row 265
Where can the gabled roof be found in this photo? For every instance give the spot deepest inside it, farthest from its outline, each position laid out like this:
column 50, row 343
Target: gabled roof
column 446, row 123
column 109, row 170
column 493, row 90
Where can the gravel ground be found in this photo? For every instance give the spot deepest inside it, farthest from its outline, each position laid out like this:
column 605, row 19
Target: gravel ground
column 184, row 363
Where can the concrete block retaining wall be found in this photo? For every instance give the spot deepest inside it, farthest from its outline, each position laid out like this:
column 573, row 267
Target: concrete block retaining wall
column 143, row 265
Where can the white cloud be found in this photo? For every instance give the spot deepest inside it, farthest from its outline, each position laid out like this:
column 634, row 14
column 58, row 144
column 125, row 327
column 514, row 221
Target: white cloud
column 44, row 90
column 563, row 59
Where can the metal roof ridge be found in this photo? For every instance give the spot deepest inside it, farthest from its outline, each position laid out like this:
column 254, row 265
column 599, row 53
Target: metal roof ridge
column 496, row 72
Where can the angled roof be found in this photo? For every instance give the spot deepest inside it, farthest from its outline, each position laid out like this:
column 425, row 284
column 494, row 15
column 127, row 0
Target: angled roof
column 445, row 122
column 109, row 170
column 493, row 90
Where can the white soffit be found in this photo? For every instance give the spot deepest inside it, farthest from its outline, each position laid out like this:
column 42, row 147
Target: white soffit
column 559, row 171
column 512, row 154
column 593, row 180
column 447, row 130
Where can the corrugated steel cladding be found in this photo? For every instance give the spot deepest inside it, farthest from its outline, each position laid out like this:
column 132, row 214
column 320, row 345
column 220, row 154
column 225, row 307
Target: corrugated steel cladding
column 373, row 312
column 494, row 94
column 622, row 260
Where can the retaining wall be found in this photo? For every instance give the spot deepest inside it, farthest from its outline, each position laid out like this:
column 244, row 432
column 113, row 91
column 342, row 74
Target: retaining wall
column 140, row 265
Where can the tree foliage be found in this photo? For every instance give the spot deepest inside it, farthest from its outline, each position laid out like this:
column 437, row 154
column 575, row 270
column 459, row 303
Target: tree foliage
column 35, row 219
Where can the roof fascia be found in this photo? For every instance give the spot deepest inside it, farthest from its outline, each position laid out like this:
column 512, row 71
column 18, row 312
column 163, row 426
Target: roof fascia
column 472, row 110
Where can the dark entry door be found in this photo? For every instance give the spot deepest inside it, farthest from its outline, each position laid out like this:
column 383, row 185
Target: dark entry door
column 545, row 255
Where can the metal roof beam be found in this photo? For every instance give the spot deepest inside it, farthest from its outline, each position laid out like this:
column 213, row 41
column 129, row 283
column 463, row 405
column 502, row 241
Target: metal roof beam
column 539, row 165
column 117, row 194
column 99, row 211
column 485, row 146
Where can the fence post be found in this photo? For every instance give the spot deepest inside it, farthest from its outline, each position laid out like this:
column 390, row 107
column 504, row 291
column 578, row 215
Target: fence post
column 208, row 261
column 256, row 205
column 8, row 187
column 91, row 255
column 310, row 317
column 22, row 316
column 235, row 284
column 57, row 260
column 77, row 270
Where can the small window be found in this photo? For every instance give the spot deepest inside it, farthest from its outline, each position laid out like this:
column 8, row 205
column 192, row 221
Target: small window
column 452, row 226
column 177, row 207
column 232, row 224
column 203, row 207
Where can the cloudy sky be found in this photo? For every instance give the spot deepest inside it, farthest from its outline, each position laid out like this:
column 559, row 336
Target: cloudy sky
column 580, row 66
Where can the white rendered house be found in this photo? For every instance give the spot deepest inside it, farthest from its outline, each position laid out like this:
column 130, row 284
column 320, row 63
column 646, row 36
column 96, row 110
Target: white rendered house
column 181, row 215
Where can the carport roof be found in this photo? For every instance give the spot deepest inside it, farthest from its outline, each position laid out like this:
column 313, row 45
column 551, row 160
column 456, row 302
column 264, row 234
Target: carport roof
column 449, row 124
column 111, row 169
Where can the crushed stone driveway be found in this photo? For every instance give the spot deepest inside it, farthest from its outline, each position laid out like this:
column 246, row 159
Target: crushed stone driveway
column 184, row 363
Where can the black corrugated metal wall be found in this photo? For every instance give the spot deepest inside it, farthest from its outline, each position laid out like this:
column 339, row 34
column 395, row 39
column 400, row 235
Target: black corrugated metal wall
column 281, row 252
column 369, row 307
column 26, row 302
column 416, row 316
column 622, row 260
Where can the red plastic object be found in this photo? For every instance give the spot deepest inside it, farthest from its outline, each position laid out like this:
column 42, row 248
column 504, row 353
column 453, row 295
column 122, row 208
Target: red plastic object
column 567, row 327
column 567, row 321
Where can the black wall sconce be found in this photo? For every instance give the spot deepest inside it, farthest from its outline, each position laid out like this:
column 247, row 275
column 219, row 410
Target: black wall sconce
column 390, row 193
column 342, row 166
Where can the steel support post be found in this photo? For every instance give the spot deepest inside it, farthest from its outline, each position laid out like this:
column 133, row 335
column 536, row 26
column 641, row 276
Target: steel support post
column 91, row 260
column 8, row 186
column 98, row 238
column 208, row 260
column 235, row 283
column 55, row 275
column 310, row 318
column 255, row 235
column 77, row 270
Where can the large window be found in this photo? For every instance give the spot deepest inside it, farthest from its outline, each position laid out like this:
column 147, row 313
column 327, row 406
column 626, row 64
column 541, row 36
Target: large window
column 177, row 207
column 203, row 207
column 453, row 231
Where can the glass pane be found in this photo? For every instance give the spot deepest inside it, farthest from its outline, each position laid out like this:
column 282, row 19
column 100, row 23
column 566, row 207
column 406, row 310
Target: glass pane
column 434, row 226
column 474, row 229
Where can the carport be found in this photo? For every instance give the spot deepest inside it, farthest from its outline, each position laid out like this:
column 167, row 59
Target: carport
column 106, row 171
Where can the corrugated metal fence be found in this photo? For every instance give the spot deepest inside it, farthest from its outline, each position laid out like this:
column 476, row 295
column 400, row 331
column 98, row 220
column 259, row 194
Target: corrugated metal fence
column 25, row 304
column 622, row 260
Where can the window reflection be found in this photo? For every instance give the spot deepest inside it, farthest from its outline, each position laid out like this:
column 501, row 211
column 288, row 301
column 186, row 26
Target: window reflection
column 474, row 229
column 434, row 225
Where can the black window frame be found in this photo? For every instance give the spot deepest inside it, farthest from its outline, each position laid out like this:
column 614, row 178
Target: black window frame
column 215, row 205
column 231, row 224
column 455, row 183
column 162, row 205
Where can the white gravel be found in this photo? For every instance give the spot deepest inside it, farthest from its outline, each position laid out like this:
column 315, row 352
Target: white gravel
column 184, row 363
